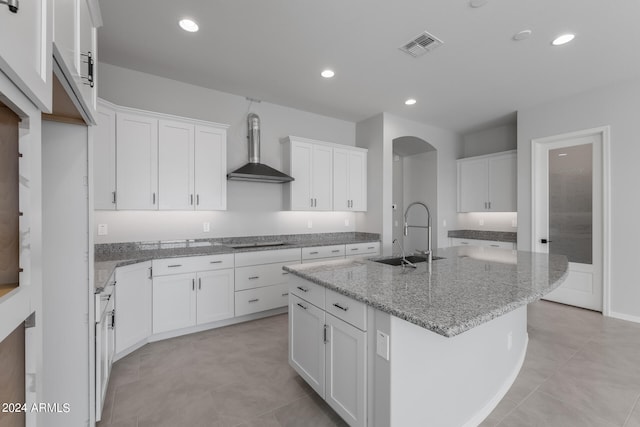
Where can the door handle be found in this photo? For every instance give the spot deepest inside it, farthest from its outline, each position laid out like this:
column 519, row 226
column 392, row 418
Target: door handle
column 199, row 283
column 545, row 241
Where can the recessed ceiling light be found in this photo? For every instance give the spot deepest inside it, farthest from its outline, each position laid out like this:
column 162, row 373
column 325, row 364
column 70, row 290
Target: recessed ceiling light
column 188, row 25
column 327, row 74
column 410, row 101
column 522, row 35
column 565, row 38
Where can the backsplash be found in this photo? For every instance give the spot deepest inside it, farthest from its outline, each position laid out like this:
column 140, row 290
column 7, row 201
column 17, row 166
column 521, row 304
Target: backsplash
column 489, row 221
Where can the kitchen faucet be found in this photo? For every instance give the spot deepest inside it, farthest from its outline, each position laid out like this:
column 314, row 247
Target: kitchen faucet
column 429, row 251
column 405, row 261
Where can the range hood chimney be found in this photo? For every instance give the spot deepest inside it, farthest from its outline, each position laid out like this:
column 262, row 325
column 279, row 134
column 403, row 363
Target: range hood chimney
column 254, row 170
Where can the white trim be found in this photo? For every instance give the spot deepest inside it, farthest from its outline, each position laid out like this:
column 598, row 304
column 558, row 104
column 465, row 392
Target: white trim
column 483, row 413
column 622, row 316
column 290, row 138
column 605, row 159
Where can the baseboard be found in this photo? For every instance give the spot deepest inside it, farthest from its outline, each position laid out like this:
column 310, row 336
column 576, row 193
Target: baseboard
column 622, row 316
column 483, row 413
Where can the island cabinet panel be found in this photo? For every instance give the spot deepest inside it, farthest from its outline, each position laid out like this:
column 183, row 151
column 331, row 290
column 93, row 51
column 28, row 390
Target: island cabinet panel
column 346, row 368
column 133, row 305
column 306, row 342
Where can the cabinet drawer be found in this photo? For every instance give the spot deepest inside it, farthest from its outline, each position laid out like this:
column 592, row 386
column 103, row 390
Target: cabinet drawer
column 347, row 309
column 257, row 276
column 163, row 267
column 261, row 299
column 364, row 249
column 307, row 261
column 322, row 252
column 285, row 256
column 306, row 290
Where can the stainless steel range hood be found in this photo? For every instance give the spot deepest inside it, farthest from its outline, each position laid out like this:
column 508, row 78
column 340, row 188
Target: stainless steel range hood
column 254, row 170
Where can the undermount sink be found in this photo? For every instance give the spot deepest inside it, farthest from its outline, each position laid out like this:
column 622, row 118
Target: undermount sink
column 411, row 258
column 255, row 244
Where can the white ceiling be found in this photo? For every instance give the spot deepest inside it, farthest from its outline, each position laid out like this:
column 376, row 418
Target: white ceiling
column 274, row 51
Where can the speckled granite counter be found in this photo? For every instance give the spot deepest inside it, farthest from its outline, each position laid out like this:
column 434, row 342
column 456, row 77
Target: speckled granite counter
column 497, row 236
column 110, row 256
column 470, row 286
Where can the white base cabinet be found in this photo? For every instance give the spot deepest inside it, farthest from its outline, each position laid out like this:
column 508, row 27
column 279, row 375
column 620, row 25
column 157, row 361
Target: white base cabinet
column 133, row 305
column 328, row 347
column 456, row 241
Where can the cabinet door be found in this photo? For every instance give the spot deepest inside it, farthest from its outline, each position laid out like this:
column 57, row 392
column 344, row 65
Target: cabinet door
column 473, row 185
column 341, row 188
column 301, row 155
column 88, row 44
column 136, row 162
column 306, row 342
column 175, row 165
column 322, row 177
column 25, row 49
column 210, row 168
column 104, row 160
column 346, row 369
column 174, row 302
column 133, row 305
column 215, row 296
column 503, row 183
column 357, row 171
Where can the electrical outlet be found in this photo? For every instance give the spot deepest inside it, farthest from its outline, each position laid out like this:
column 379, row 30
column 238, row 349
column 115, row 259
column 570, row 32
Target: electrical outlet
column 509, row 340
column 382, row 345
column 481, row 221
column 206, row 227
column 346, row 222
column 444, row 223
column 514, row 223
column 309, row 223
column 103, row 230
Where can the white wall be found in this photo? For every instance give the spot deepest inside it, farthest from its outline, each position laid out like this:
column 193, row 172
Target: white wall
column 491, row 140
column 449, row 147
column 253, row 208
column 398, row 200
column 420, row 185
column 369, row 135
column 618, row 106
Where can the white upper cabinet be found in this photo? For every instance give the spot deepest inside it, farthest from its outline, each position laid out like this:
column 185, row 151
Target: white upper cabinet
column 136, row 162
column 210, row 167
column 488, row 183
column 349, row 179
column 175, row 165
column 104, row 159
column 326, row 176
column 75, row 25
column 25, row 49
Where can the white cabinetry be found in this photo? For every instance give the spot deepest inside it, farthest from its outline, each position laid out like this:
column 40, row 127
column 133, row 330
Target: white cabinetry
column 310, row 164
column 192, row 291
column 362, row 250
column 137, row 162
column 74, row 51
column 105, row 343
column 192, row 166
column 133, row 305
column 25, row 49
column 104, row 159
column 349, row 179
column 322, row 253
column 327, row 347
column 261, row 284
column 456, row 241
column 488, row 183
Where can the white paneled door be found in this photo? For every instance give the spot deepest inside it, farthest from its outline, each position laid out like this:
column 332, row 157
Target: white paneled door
column 568, row 212
column 175, row 165
column 210, row 168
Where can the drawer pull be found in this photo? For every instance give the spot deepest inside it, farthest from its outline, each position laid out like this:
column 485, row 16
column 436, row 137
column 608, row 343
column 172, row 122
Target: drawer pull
column 354, row 249
column 285, row 273
column 285, row 294
column 254, row 300
column 302, row 306
column 254, row 277
column 464, row 243
column 371, row 247
column 340, row 307
column 336, row 251
column 215, row 262
column 495, row 246
column 313, row 253
column 303, row 289
column 174, row 265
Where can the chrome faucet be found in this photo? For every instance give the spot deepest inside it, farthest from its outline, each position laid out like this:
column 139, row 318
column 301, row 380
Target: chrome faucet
column 429, row 251
column 405, row 261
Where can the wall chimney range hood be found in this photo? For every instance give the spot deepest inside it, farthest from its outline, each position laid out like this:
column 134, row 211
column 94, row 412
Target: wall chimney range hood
column 255, row 171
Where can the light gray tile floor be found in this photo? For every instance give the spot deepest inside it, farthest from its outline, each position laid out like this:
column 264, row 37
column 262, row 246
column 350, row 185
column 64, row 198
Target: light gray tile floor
column 581, row 369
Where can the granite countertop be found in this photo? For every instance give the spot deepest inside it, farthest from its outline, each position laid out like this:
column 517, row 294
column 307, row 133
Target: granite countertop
column 497, row 236
column 110, row 256
column 470, row 286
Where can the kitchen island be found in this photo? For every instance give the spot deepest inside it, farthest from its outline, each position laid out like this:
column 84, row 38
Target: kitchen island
column 437, row 345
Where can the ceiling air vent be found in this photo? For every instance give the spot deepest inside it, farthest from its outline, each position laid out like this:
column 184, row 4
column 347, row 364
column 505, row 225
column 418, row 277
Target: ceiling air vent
column 421, row 44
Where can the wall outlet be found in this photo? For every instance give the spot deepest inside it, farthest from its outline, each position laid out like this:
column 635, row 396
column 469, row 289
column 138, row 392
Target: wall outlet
column 309, row 223
column 444, row 223
column 382, row 345
column 346, row 222
column 206, row 227
column 509, row 340
column 514, row 223
column 103, row 229
column 481, row 221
